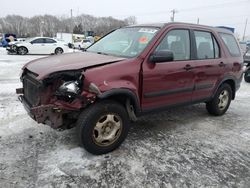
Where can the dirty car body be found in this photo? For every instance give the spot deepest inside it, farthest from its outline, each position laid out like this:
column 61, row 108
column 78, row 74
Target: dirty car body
column 132, row 67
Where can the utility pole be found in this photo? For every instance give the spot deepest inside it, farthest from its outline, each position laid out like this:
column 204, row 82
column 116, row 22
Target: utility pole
column 245, row 30
column 198, row 21
column 174, row 11
column 71, row 13
column 71, row 17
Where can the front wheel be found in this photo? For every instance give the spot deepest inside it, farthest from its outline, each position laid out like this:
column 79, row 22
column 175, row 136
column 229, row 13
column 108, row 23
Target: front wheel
column 22, row 50
column 247, row 76
column 103, row 127
column 221, row 101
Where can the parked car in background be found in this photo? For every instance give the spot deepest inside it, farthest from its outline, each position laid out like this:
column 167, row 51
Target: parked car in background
column 128, row 73
column 6, row 39
column 38, row 45
column 85, row 43
column 247, row 62
column 243, row 46
column 18, row 40
column 247, row 55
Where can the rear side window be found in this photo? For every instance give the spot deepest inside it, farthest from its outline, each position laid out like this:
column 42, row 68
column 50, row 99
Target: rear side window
column 206, row 45
column 231, row 44
column 177, row 41
column 38, row 41
column 49, row 41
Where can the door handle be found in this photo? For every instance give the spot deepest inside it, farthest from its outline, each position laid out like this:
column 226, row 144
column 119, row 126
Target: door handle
column 222, row 64
column 188, row 67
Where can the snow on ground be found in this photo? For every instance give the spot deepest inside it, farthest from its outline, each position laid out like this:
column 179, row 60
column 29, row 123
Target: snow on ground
column 182, row 147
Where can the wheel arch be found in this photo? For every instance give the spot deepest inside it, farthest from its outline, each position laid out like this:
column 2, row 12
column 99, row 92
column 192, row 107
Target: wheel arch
column 23, row 47
column 230, row 81
column 121, row 95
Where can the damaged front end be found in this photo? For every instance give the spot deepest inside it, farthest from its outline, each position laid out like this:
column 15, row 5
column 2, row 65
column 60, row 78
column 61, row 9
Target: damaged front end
column 56, row 100
column 12, row 49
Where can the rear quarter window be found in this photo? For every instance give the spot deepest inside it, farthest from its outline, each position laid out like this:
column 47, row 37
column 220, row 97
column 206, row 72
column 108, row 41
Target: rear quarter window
column 231, row 44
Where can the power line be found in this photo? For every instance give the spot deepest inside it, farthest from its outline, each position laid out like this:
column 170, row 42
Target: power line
column 216, row 5
column 235, row 3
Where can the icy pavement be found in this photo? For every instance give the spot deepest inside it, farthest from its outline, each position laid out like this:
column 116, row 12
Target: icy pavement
column 183, row 147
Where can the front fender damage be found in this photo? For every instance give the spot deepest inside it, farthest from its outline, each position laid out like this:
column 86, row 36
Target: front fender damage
column 53, row 114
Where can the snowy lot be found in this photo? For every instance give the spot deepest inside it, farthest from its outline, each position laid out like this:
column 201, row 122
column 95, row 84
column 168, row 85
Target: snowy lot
column 183, row 147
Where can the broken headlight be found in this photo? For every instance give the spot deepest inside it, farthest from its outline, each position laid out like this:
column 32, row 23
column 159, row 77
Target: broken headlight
column 69, row 87
column 68, row 91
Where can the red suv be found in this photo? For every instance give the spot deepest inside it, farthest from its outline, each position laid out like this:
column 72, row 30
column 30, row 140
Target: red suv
column 129, row 72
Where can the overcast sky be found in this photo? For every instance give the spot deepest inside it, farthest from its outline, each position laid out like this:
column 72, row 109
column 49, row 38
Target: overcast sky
column 231, row 13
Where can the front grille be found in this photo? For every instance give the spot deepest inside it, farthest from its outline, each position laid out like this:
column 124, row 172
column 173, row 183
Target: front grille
column 31, row 89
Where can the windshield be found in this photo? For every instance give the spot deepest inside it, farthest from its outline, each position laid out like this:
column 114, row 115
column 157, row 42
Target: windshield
column 125, row 42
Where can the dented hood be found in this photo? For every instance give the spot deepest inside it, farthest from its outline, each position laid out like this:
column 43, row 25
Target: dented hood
column 72, row 61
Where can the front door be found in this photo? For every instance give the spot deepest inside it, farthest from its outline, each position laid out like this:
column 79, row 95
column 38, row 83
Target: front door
column 169, row 83
column 37, row 46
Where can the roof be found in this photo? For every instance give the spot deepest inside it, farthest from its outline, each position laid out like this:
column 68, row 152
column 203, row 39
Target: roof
column 161, row 25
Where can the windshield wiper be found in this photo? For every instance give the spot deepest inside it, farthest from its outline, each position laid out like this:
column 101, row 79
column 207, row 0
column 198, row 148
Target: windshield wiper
column 102, row 53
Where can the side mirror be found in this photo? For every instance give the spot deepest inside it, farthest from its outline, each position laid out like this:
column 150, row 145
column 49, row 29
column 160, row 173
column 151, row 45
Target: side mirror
column 161, row 56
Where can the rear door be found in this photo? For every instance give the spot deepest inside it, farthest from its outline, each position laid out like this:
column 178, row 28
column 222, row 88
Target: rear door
column 50, row 46
column 209, row 66
column 169, row 83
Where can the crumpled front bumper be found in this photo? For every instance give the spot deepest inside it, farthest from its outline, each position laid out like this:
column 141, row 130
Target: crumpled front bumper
column 47, row 114
column 12, row 49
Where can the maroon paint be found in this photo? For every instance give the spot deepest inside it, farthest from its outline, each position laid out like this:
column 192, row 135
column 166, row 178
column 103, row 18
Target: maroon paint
column 139, row 75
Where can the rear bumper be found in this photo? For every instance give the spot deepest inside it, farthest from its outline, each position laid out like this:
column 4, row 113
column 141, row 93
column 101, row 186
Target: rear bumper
column 47, row 114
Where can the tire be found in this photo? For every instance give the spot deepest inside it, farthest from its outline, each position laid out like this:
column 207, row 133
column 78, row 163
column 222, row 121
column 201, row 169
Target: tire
column 58, row 51
column 221, row 101
column 102, row 127
column 247, row 76
column 22, row 50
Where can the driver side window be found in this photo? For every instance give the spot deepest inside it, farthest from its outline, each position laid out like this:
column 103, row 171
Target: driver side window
column 177, row 41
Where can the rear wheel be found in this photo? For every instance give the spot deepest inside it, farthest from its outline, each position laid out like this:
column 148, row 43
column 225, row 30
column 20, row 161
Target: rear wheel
column 101, row 128
column 221, row 101
column 22, row 50
column 247, row 76
column 58, row 51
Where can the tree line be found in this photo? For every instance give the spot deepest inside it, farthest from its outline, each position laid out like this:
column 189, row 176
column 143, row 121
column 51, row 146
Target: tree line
column 49, row 25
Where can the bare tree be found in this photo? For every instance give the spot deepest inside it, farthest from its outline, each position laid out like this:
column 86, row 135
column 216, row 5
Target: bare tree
column 131, row 20
column 49, row 25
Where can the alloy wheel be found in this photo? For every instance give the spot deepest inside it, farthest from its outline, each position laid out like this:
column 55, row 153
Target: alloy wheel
column 223, row 100
column 107, row 130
